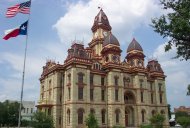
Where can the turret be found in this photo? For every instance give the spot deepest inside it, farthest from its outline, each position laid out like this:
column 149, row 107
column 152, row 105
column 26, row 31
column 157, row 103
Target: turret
column 135, row 56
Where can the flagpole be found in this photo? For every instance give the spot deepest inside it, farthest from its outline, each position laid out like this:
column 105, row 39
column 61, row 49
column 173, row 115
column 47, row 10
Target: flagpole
column 23, row 73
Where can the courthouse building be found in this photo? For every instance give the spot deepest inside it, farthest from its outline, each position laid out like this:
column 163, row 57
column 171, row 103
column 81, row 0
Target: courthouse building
column 95, row 79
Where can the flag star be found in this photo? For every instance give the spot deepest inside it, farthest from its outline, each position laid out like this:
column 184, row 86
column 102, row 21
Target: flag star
column 23, row 27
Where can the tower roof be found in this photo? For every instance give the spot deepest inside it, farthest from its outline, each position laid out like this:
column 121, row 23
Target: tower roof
column 134, row 45
column 111, row 39
column 101, row 21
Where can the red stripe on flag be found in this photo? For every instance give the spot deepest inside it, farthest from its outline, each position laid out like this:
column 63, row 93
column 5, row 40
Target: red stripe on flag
column 13, row 33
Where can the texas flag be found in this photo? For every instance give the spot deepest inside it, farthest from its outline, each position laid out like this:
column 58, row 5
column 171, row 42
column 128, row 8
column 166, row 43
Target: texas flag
column 22, row 30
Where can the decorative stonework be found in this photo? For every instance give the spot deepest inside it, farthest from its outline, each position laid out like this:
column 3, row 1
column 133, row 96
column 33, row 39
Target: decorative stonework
column 95, row 80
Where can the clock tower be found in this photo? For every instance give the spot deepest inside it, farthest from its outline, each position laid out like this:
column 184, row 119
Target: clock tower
column 101, row 28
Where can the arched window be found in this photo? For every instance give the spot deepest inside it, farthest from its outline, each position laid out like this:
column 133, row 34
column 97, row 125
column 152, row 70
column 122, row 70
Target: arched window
column 80, row 115
column 80, row 77
column 103, row 116
column 143, row 116
column 117, row 112
column 68, row 117
column 162, row 112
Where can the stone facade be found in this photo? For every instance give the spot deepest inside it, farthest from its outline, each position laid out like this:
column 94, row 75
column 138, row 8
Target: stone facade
column 95, row 80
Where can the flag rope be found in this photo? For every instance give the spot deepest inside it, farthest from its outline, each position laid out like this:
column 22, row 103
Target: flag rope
column 23, row 73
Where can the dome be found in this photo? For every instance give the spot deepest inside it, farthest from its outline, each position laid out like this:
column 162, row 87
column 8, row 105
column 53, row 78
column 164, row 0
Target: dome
column 101, row 21
column 134, row 45
column 110, row 39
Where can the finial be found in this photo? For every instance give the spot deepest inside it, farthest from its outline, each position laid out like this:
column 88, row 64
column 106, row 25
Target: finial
column 100, row 8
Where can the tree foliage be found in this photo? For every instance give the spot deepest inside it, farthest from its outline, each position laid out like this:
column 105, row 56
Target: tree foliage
column 157, row 121
column 41, row 120
column 188, row 90
column 175, row 25
column 9, row 112
column 184, row 121
column 91, row 121
column 181, row 114
column 169, row 111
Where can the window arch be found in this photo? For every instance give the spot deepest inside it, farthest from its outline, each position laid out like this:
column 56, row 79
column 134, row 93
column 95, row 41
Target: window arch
column 103, row 116
column 143, row 115
column 80, row 115
column 68, row 116
column 153, row 112
column 162, row 112
column 117, row 112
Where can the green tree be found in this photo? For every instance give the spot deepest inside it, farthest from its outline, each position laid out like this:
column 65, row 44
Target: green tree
column 9, row 113
column 188, row 90
column 41, row 120
column 157, row 121
column 175, row 24
column 181, row 114
column 169, row 111
column 184, row 121
column 91, row 121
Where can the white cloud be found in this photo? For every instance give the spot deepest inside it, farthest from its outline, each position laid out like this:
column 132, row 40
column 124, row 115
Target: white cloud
column 124, row 15
column 11, row 80
column 178, row 74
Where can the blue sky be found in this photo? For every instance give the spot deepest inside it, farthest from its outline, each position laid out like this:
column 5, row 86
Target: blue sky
column 55, row 23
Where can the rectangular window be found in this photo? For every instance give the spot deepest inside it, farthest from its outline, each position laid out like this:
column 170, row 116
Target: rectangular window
column 141, row 83
column 161, row 98
column 151, row 88
column 69, row 93
column 31, row 110
column 91, row 79
column 160, row 87
column 69, row 78
column 152, row 100
column 80, row 93
column 23, row 110
column 116, row 94
column 27, row 110
column 103, row 95
column 80, row 78
column 102, row 80
column 116, row 81
column 59, row 120
column 91, row 94
column 142, row 99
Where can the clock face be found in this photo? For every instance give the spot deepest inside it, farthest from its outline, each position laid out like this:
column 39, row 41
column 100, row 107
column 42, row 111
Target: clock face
column 105, row 33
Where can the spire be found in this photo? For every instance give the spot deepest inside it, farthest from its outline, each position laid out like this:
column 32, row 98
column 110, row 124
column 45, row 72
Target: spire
column 101, row 21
